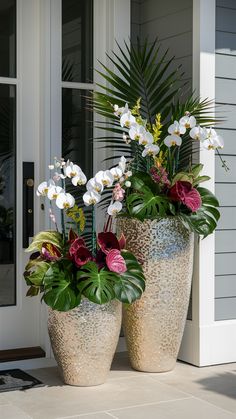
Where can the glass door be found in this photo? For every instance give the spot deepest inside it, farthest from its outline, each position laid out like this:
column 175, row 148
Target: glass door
column 19, row 139
column 7, row 152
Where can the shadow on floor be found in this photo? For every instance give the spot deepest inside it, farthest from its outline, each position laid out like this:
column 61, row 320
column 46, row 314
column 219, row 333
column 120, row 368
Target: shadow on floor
column 222, row 383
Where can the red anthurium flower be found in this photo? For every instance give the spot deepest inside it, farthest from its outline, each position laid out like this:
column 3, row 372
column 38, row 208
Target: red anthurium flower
column 108, row 241
column 115, row 261
column 184, row 192
column 76, row 244
column 50, row 252
column 193, row 200
column 82, row 256
column 122, row 241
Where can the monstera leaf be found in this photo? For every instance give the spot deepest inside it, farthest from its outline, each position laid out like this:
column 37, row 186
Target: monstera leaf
column 59, row 293
column 97, row 286
column 146, row 205
column 130, row 285
column 204, row 221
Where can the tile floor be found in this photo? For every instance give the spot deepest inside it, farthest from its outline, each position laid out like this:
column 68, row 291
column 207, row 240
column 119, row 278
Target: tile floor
column 185, row 393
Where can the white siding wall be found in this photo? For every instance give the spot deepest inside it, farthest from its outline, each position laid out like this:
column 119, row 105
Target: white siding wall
column 171, row 22
column 225, row 285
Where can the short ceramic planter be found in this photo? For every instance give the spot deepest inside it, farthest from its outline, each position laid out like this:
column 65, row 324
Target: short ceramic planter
column 84, row 341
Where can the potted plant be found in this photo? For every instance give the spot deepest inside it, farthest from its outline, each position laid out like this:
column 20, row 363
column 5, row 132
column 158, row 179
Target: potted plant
column 83, row 284
column 161, row 203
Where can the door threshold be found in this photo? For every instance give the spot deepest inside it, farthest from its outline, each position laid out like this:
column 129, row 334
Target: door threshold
column 20, row 354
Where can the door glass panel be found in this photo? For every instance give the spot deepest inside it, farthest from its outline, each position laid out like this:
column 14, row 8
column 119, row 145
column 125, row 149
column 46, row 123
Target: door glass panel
column 7, row 194
column 77, row 144
column 77, row 38
column 77, row 128
column 7, row 38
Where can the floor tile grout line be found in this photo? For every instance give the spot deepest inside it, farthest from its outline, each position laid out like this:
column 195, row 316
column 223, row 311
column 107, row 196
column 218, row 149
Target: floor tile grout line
column 214, row 405
column 170, row 386
column 193, row 396
column 109, row 411
column 149, row 404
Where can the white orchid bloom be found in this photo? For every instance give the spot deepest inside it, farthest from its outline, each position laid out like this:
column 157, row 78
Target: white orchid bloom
column 51, row 166
column 137, row 132
column 65, row 200
column 105, row 177
column 213, row 140
column 71, row 170
column 150, row 150
column 53, row 192
column 127, row 119
column 172, row 140
column 122, row 163
column 113, row 209
column 93, row 185
column 116, row 172
column 188, row 121
column 127, row 184
column 128, row 174
column 79, row 179
column 147, row 139
column 177, row 129
column 198, row 133
column 120, row 111
column 91, row 198
column 58, row 176
column 43, row 188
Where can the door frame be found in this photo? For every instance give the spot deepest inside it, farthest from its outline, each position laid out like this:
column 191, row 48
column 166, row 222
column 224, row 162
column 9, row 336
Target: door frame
column 39, row 122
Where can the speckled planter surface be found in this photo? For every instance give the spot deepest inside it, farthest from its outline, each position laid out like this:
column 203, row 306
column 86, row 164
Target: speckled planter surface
column 154, row 325
column 84, row 341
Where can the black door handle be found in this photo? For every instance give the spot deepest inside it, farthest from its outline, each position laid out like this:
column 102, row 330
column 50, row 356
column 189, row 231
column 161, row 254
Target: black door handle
column 28, row 202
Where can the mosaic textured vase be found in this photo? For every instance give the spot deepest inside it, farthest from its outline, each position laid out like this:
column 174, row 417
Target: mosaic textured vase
column 154, row 325
column 84, row 341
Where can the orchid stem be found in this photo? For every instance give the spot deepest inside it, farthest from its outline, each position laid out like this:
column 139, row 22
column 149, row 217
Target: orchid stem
column 94, row 246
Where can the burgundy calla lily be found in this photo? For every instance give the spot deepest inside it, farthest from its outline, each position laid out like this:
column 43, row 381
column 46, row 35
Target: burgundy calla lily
column 115, row 261
column 122, row 241
column 107, row 241
column 82, row 256
column 72, row 235
column 76, row 244
column 50, row 252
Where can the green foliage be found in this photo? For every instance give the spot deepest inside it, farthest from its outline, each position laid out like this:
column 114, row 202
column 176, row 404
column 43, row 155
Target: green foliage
column 52, row 237
column 145, row 205
column 59, row 291
column 130, row 285
column 204, row 221
column 192, row 176
column 96, row 285
column 101, row 286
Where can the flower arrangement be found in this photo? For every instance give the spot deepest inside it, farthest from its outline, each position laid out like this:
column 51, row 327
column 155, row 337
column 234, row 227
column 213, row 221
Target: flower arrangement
column 154, row 183
column 62, row 267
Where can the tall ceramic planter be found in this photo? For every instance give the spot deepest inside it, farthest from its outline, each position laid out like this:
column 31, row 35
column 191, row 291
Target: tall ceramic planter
column 84, row 341
column 154, row 324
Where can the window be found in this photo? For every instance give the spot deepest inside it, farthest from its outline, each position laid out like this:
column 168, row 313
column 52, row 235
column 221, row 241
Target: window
column 7, row 150
column 77, row 71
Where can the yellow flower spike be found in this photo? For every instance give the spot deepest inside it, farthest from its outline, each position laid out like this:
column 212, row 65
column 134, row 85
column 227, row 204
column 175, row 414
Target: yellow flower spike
column 157, row 128
column 136, row 109
column 77, row 215
column 160, row 160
